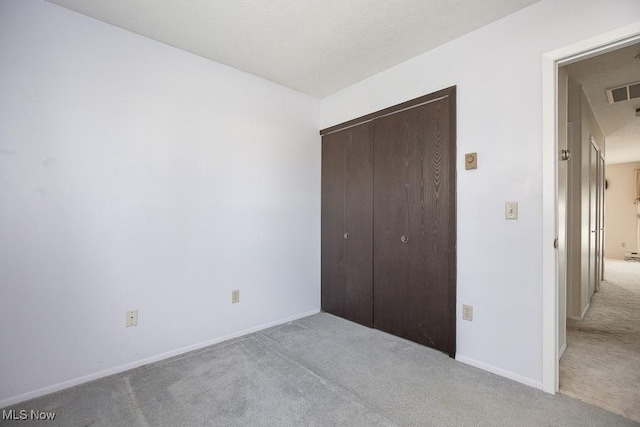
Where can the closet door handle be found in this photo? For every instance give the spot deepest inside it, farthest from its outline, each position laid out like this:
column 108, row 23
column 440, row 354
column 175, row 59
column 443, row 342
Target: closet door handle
column 404, row 239
column 346, row 236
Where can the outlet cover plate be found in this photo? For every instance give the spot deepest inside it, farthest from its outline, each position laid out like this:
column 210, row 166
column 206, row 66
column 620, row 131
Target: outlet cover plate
column 132, row 318
column 511, row 210
column 467, row 312
column 235, row 296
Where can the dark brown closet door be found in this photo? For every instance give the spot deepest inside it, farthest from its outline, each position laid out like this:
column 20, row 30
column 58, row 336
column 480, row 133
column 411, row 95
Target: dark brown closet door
column 347, row 224
column 414, row 225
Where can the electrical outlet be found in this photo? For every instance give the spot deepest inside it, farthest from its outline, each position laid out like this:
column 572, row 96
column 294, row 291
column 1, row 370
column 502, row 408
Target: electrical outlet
column 623, row 244
column 132, row 318
column 467, row 312
column 235, row 296
column 511, row 210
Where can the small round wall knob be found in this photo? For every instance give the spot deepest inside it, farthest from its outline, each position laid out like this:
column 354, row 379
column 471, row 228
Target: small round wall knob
column 404, row 239
column 346, row 236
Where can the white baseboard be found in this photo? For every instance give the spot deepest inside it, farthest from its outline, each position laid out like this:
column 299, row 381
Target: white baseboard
column 498, row 371
column 584, row 312
column 562, row 350
column 146, row 361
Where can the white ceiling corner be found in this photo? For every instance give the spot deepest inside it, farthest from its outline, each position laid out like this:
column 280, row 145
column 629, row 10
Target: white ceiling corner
column 315, row 47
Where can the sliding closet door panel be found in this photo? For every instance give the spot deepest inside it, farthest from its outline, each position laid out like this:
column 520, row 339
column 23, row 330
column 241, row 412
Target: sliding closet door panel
column 391, row 157
column 332, row 219
column 413, row 241
column 347, row 224
column 359, row 225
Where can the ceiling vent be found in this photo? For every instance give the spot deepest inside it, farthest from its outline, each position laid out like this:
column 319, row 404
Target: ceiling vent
column 623, row 93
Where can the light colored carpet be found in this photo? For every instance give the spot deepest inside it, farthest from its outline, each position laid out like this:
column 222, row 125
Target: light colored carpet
column 316, row 371
column 601, row 365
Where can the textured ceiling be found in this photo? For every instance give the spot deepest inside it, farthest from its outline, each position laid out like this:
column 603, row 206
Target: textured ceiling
column 619, row 124
column 316, row 47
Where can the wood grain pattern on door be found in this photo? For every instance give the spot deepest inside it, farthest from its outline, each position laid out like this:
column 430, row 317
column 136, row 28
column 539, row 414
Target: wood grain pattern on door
column 347, row 224
column 414, row 232
column 389, row 220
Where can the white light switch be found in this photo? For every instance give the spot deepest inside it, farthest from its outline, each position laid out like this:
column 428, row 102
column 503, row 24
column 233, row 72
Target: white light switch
column 511, row 210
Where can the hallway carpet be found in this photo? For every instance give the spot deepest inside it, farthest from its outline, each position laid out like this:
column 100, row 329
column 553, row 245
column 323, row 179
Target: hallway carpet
column 320, row 371
column 601, row 365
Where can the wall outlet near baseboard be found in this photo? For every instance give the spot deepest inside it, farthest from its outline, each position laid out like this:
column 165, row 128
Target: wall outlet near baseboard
column 467, row 312
column 235, row 296
column 132, row 318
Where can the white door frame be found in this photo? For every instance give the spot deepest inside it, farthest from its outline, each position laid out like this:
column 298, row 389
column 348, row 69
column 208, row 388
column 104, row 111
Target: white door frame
column 603, row 43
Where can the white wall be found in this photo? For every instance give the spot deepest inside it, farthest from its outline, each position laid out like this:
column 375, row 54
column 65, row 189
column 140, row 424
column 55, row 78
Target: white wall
column 137, row 176
column 498, row 73
column 574, row 216
column 621, row 222
column 589, row 129
column 584, row 126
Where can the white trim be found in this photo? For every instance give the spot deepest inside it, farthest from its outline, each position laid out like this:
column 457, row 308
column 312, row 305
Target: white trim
column 584, row 312
column 602, row 43
column 146, row 361
column 562, row 350
column 549, row 210
column 498, row 371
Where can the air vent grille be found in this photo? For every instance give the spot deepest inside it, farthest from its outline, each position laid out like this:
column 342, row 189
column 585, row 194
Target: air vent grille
column 623, row 93
column 634, row 91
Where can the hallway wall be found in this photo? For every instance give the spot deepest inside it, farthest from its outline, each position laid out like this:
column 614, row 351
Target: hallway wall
column 584, row 126
column 621, row 221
